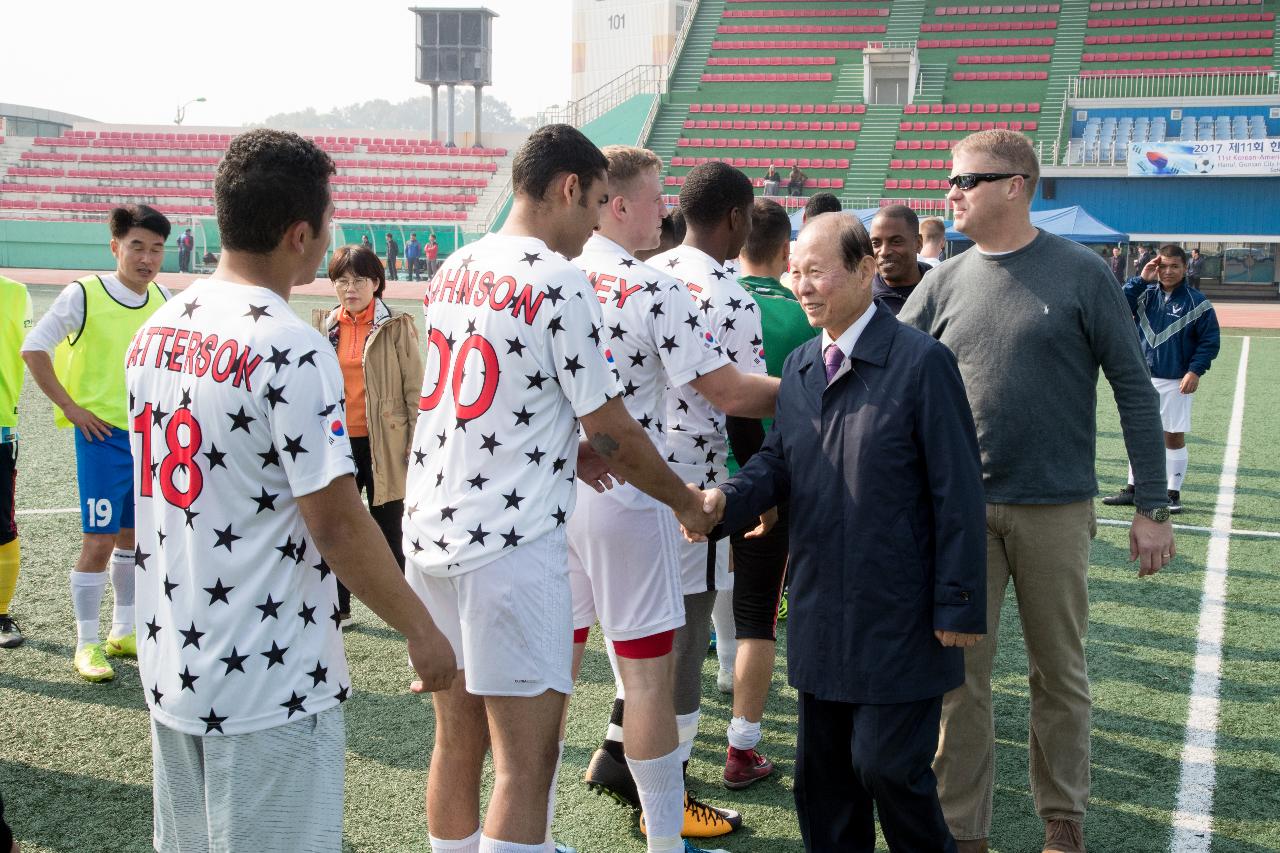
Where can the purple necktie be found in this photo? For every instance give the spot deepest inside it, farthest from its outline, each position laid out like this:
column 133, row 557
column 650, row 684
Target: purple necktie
column 832, row 357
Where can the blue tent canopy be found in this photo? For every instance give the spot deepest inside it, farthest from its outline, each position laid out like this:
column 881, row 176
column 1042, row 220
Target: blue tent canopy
column 1073, row 222
column 865, row 215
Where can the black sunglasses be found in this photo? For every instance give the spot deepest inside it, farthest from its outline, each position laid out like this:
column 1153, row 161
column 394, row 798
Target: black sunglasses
column 972, row 179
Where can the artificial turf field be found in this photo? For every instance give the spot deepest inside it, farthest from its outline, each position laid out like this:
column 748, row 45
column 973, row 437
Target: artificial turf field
column 75, row 757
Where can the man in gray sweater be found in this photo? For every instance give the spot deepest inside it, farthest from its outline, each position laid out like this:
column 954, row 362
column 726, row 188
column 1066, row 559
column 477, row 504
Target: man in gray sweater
column 1031, row 317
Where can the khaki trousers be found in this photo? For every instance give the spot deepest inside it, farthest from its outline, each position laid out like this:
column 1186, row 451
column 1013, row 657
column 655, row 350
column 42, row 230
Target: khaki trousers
column 1044, row 550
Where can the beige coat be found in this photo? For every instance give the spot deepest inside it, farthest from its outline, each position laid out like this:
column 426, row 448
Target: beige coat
column 392, row 388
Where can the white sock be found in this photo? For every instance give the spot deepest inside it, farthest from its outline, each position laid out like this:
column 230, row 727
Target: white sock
column 1175, row 465
column 122, row 577
column 551, row 792
column 743, row 734
column 1131, row 480
column 660, row 783
column 726, row 630
column 686, row 731
column 86, row 601
column 470, row 844
column 493, row 845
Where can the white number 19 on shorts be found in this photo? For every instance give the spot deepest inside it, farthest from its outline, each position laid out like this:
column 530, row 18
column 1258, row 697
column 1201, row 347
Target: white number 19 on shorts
column 99, row 511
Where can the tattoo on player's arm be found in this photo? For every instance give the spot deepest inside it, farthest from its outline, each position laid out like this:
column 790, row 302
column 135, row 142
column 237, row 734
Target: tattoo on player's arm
column 604, row 444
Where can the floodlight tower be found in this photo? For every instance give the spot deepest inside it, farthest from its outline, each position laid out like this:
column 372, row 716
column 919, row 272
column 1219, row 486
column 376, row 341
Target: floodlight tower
column 454, row 46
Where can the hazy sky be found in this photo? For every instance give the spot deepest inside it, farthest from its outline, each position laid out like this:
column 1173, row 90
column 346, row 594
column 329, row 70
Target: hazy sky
column 134, row 61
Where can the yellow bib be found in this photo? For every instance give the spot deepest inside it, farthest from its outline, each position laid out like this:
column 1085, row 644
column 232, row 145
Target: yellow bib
column 90, row 365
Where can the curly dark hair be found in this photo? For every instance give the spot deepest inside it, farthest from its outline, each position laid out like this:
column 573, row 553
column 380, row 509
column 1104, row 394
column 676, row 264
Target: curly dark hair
column 713, row 189
column 269, row 180
column 551, row 150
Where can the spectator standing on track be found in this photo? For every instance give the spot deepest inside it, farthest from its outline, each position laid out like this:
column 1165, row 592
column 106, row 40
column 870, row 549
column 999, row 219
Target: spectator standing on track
column 795, row 182
column 393, row 256
column 412, row 254
column 1023, row 305
column 432, row 250
column 381, row 363
column 186, row 243
column 1144, row 257
column 895, row 240
column 76, row 355
column 1195, row 267
column 771, row 181
column 15, row 322
column 250, row 510
column 1178, row 331
column 366, row 242
column 1116, row 263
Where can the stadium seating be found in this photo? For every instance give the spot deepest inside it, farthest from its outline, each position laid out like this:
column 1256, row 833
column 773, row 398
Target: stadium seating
column 798, row 29
column 947, row 126
column 824, row 126
column 1182, row 20
column 787, row 45
column 770, row 109
column 1000, row 75
column 1177, row 38
column 88, row 172
column 1020, row 9
column 962, row 109
column 814, row 77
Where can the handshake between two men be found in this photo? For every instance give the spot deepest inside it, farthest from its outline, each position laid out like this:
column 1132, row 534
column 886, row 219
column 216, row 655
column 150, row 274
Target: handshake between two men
column 697, row 526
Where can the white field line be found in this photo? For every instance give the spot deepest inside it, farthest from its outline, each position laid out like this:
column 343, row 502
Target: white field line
column 1189, row 528
column 1193, row 815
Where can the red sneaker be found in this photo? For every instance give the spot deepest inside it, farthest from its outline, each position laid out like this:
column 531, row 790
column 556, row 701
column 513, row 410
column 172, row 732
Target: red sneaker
column 744, row 767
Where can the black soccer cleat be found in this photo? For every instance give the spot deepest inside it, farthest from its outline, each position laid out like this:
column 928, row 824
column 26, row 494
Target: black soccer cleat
column 1124, row 497
column 611, row 777
column 1175, row 502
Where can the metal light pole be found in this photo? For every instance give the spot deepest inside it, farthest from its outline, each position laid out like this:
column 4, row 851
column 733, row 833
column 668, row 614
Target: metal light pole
column 182, row 110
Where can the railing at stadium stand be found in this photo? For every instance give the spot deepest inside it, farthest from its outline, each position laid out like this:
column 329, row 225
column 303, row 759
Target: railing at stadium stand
column 640, row 80
column 1223, row 84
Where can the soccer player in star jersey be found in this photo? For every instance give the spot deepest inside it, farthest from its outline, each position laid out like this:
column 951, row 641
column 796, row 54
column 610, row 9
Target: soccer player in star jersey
column 75, row 355
column 716, row 202
column 624, row 546
column 513, row 364
column 247, row 508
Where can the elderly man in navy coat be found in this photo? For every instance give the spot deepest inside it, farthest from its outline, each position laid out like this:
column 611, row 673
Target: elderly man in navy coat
column 874, row 445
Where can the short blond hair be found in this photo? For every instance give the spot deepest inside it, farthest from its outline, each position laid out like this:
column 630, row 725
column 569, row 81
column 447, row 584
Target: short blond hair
column 933, row 228
column 627, row 162
column 1011, row 150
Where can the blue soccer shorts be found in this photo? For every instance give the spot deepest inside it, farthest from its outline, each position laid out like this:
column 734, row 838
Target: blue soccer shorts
column 104, row 471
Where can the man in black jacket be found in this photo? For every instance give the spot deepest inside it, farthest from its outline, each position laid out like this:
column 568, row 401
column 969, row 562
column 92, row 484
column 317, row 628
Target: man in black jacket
column 887, row 549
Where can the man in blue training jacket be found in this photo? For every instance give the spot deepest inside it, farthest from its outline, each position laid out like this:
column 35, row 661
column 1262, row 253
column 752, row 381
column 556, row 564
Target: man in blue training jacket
column 1178, row 330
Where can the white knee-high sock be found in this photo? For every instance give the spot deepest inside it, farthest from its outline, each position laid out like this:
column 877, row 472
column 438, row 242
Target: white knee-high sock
column 1175, row 465
column 1131, row 480
column 660, row 783
column 726, row 630
column 122, row 570
column 470, row 844
column 686, row 731
column 86, row 601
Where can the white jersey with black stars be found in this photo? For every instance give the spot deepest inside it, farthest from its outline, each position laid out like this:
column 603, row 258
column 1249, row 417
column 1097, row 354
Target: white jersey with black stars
column 513, row 359
column 236, row 410
column 696, row 435
column 653, row 336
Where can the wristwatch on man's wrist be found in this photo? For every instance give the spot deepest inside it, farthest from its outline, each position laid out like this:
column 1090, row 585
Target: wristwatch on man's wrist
column 1158, row 514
